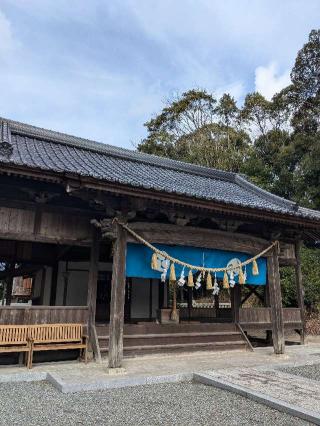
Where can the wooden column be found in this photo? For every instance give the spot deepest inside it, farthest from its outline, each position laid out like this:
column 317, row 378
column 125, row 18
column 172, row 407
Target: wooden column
column 92, row 291
column 216, row 304
column 43, row 283
column 54, row 281
column 276, row 303
column 266, row 298
column 235, row 302
column 117, row 298
column 300, row 289
column 9, row 283
column 190, row 298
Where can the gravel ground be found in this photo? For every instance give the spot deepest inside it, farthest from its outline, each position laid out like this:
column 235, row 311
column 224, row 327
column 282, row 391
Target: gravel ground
column 164, row 404
column 308, row 371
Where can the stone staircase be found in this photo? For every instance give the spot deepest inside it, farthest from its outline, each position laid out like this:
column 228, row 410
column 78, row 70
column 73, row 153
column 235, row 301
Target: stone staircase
column 150, row 338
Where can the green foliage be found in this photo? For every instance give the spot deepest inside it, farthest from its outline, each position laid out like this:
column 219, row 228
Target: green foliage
column 197, row 128
column 310, row 260
column 305, row 89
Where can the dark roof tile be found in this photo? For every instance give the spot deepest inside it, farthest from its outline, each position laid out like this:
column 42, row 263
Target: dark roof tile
column 48, row 150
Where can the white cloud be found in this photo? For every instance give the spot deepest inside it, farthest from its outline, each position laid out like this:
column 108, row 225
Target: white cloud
column 6, row 37
column 268, row 81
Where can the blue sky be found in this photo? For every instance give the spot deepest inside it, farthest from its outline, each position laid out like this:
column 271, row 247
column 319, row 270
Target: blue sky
column 101, row 68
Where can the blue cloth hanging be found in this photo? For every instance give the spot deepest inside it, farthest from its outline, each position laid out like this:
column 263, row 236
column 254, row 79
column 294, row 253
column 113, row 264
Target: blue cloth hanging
column 138, row 261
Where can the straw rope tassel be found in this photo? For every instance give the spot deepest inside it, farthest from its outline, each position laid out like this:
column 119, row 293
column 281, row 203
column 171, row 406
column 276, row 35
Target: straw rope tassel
column 241, row 277
column 172, row 277
column 190, row 279
column 225, row 280
column 174, row 313
column 209, row 282
column 255, row 269
column 154, row 261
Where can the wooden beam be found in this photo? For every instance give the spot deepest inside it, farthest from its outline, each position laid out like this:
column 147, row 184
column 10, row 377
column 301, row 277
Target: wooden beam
column 117, row 298
column 300, row 289
column 276, row 303
column 92, row 291
column 198, row 237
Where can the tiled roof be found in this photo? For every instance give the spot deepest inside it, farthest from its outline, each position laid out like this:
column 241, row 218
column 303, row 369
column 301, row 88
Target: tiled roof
column 53, row 151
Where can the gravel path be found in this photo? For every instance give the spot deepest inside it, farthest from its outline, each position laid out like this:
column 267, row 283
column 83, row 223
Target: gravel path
column 308, row 371
column 164, row 404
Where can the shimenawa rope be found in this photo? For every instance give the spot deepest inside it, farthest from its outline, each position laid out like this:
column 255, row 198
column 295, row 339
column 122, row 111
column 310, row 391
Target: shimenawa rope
column 188, row 265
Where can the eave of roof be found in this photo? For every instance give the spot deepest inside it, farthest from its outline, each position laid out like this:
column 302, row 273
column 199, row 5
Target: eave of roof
column 8, row 127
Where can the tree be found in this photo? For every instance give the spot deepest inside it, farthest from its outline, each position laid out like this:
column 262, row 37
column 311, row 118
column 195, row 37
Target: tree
column 197, row 128
column 305, row 88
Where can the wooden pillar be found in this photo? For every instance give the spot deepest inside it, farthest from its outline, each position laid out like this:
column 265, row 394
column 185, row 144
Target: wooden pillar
column 276, row 303
column 54, row 281
column 9, row 283
column 216, row 305
column 190, row 297
column 235, row 302
column 117, row 298
column 300, row 289
column 266, row 297
column 93, row 276
column 43, row 283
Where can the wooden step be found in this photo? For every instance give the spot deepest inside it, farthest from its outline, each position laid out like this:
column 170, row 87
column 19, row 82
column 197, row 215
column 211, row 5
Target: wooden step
column 153, row 328
column 182, row 347
column 162, row 335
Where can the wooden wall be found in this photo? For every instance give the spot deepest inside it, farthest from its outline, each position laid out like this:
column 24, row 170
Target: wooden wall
column 44, row 226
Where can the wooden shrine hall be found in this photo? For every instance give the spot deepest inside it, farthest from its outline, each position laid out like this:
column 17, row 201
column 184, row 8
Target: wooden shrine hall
column 148, row 254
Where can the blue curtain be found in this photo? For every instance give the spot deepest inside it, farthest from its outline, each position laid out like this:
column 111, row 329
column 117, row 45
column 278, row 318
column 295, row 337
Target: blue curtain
column 138, row 261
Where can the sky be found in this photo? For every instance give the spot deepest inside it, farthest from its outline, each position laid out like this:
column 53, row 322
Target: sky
column 99, row 69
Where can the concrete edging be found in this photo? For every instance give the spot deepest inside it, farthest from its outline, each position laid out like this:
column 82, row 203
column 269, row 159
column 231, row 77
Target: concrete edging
column 116, row 383
column 294, row 410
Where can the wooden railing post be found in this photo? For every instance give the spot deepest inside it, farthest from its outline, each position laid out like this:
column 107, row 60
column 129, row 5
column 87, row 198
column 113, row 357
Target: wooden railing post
column 300, row 289
column 276, row 303
column 117, row 298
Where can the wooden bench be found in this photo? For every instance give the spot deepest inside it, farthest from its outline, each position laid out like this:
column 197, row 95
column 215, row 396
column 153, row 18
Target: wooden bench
column 56, row 337
column 15, row 338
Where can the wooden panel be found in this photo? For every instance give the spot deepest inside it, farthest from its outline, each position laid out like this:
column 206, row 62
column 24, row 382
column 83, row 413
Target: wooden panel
column 55, row 226
column 197, row 313
column 44, row 226
column 198, row 237
column 287, row 251
column 13, row 220
column 292, row 315
column 255, row 315
column 43, row 314
column 262, row 316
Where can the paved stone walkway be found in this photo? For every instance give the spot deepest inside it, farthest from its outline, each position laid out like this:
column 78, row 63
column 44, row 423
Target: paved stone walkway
column 298, row 391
